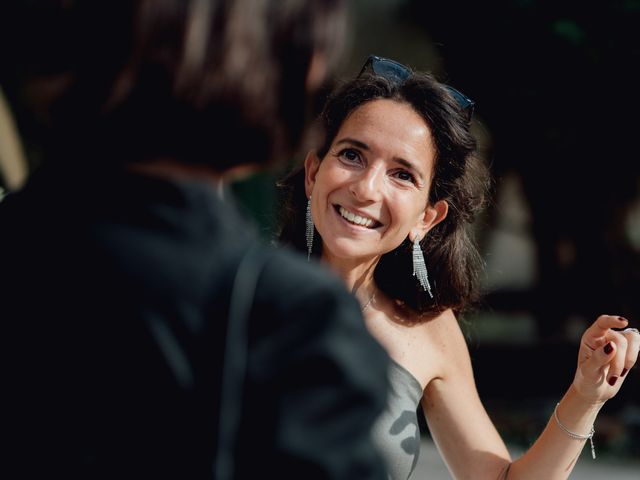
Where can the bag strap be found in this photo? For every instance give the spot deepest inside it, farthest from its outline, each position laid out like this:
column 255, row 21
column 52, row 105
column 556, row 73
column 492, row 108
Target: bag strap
column 236, row 356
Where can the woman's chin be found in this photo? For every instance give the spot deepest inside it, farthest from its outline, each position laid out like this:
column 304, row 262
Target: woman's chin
column 348, row 252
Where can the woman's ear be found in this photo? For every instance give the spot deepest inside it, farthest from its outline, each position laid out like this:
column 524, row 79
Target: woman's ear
column 311, row 166
column 431, row 216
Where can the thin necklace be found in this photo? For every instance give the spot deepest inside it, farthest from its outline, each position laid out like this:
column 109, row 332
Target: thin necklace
column 366, row 305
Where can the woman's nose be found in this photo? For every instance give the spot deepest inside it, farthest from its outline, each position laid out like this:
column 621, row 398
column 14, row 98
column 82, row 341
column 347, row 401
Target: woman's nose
column 367, row 186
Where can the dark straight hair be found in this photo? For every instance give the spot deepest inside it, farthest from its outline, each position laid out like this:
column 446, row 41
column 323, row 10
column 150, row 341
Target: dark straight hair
column 120, row 81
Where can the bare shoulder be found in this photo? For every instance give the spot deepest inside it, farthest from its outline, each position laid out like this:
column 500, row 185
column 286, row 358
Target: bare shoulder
column 447, row 347
column 445, row 332
column 425, row 347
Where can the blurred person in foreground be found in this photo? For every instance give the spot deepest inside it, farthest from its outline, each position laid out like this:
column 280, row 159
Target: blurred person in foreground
column 120, row 254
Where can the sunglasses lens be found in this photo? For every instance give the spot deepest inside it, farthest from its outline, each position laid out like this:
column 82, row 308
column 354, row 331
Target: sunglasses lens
column 390, row 70
column 464, row 101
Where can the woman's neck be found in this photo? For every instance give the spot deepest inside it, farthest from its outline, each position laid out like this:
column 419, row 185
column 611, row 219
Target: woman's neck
column 356, row 274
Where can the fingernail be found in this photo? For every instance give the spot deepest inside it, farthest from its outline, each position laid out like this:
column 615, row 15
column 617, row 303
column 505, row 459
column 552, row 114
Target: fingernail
column 612, row 381
column 623, row 319
column 608, row 348
column 624, row 372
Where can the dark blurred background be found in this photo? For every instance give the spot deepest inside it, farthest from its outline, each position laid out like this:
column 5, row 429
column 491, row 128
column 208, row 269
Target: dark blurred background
column 555, row 85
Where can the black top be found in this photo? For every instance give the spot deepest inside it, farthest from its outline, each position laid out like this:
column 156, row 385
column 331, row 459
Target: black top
column 114, row 302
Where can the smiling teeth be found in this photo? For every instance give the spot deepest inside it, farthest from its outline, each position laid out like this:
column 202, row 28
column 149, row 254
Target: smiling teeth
column 357, row 219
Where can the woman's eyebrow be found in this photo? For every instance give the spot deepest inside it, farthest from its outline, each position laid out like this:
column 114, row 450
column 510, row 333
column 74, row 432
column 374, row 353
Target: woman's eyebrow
column 353, row 141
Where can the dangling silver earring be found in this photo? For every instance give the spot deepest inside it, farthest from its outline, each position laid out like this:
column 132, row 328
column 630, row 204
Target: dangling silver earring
column 309, row 230
column 419, row 267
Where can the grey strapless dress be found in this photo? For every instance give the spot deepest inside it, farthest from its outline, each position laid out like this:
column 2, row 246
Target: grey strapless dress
column 396, row 433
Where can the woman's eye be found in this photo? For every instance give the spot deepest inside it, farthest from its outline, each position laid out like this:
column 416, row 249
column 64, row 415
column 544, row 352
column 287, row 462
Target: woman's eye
column 350, row 155
column 405, row 176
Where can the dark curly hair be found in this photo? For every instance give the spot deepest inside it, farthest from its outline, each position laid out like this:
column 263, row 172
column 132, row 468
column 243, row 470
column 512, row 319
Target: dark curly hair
column 460, row 178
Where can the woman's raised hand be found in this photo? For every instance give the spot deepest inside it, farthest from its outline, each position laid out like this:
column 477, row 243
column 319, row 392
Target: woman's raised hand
column 605, row 357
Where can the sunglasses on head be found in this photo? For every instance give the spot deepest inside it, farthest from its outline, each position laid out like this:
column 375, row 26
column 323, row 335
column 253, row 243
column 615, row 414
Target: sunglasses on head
column 398, row 73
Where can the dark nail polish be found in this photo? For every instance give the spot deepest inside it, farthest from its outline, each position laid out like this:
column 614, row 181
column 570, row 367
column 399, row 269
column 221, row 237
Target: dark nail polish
column 612, row 381
column 624, row 372
column 608, row 348
column 623, row 319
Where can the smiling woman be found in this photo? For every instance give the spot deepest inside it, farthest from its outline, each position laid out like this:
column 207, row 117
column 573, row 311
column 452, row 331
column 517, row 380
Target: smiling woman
column 397, row 160
column 372, row 185
column 390, row 197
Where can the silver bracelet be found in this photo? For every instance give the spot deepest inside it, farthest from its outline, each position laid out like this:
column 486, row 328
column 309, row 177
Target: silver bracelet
column 573, row 435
